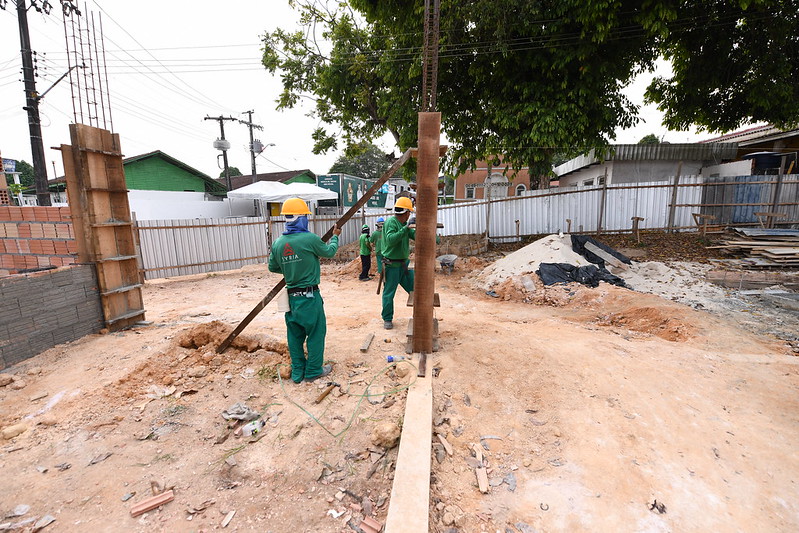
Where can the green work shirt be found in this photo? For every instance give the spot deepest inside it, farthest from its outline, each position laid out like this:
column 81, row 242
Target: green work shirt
column 396, row 235
column 297, row 255
column 377, row 240
column 366, row 247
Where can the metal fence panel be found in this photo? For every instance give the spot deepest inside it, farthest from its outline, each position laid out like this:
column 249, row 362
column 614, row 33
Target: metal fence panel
column 181, row 247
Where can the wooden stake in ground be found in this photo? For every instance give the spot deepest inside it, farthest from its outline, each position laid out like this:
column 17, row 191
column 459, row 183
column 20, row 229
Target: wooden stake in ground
column 340, row 222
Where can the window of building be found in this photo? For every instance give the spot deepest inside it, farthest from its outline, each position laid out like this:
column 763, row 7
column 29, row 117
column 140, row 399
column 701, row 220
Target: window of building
column 588, row 183
column 469, row 193
column 520, row 188
column 600, row 180
column 499, row 185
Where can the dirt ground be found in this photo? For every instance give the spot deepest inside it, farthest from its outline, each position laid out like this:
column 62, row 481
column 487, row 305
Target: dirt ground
column 596, row 410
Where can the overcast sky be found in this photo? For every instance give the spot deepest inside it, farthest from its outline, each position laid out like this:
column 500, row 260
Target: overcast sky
column 172, row 63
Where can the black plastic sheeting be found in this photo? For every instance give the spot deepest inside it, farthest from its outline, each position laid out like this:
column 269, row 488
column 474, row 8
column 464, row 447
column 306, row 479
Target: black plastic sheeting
column 591, row 275
column 578, row 245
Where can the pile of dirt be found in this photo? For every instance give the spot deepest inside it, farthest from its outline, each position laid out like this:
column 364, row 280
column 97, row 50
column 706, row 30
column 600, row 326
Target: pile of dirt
column 513, row 278
column 550, row 249
column 191, row 361
column 650, row 320
column 214, row 333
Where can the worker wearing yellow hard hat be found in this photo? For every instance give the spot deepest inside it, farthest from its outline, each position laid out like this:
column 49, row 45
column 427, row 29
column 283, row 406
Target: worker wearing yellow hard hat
column 395, row 250
column 295, row 254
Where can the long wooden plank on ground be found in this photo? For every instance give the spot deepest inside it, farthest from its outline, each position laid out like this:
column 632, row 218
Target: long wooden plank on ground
column 410, row 494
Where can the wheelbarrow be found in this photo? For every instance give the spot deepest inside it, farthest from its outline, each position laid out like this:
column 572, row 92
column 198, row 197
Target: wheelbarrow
column 447, row 262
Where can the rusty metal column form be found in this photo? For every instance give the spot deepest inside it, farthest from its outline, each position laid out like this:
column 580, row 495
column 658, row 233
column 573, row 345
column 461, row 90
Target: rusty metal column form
column 426, row 220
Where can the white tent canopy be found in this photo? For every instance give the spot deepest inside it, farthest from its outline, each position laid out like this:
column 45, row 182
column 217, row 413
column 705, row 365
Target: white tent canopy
column 260, row 190
column 273, row 191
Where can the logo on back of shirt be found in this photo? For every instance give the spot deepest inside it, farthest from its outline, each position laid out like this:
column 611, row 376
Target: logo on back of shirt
column 289, row 255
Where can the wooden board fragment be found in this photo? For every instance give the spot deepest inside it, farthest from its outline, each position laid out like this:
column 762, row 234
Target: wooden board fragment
column 478, row 453
column 367, row 342
column 228, row 518
column 445, row 443
column 482, row 479
column 591, row 247
column 152, row 503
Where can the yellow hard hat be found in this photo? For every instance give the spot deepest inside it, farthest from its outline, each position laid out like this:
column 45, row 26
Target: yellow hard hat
column 403, row 203
column 295, row 206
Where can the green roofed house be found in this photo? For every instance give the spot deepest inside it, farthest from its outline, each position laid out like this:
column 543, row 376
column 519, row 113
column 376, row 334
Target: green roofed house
column 162, row 187
column 157, row 171
column 287, row 177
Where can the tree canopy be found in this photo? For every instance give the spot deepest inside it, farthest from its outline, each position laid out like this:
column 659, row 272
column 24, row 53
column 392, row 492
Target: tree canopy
column 362, row 160
column 734, row 63
column 232, row 171
column 26, row 175
column 517, row 79
column 649, row 139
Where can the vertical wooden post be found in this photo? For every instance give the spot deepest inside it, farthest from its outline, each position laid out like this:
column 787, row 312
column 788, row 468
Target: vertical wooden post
column 673, row 205
column 426, row 220
column 487, row 195
column 636, row 220
column 777, row 190
column 518, row 237
column 602, row 202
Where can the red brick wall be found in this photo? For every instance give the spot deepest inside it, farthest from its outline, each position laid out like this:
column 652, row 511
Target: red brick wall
column 479, row 174
column 35, row 237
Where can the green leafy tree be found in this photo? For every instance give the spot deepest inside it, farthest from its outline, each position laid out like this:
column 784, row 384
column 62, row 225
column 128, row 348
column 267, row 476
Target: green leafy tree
column 733, row 63
column 233, row 172
column 650, row 139
column 363, row 160
column 26, row 175
column 527, row 80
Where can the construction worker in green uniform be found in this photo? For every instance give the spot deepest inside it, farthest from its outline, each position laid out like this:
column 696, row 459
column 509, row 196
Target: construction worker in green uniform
column 295, row 254
column 377, row 241
column 396, row 249
column 366, row 253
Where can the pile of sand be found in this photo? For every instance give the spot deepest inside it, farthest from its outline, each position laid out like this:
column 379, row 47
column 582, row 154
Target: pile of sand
column 525, row 261
column 514, row 275
column 678, row 281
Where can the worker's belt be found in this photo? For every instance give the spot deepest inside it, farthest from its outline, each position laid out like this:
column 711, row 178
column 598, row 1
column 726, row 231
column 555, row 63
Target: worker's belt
column 304, row 291
column 387, row 261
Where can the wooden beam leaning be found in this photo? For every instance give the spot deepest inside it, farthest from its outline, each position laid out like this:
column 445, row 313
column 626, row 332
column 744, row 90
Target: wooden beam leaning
column 340, row 222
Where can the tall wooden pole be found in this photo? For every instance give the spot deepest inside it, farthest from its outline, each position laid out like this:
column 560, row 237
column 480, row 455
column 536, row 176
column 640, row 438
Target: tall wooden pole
column 673, row 205
column 426, row 219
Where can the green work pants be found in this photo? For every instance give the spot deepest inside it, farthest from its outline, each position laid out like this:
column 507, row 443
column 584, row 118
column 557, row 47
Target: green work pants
column 379, row 263
column 306, row 323
column 394, row 276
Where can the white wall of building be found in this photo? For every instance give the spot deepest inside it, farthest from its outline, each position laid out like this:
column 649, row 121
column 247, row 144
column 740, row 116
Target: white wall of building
column 584, row 176
column 735, row 168
column 162, row 205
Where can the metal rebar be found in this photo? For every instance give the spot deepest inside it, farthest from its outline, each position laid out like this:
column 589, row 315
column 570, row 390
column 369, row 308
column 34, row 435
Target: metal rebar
column 105, row 69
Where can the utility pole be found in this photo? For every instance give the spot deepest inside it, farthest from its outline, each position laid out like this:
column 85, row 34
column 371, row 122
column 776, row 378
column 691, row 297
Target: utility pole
column 32, row 105
column 250, row 125
column 222, row 144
